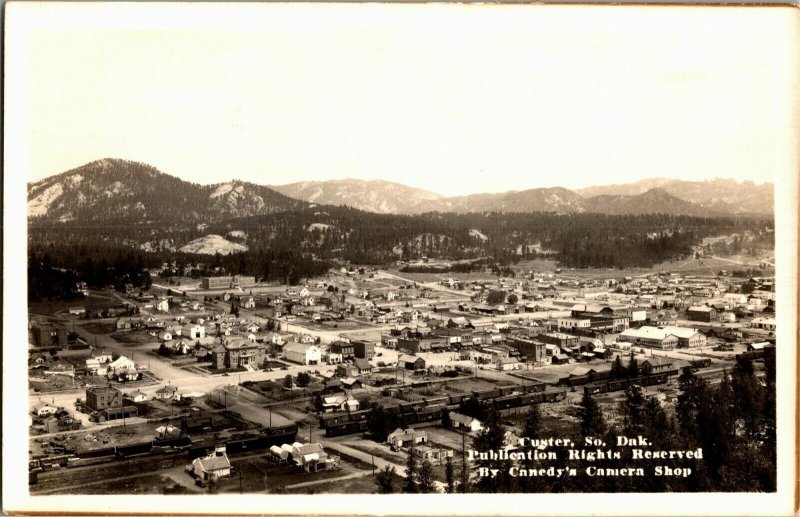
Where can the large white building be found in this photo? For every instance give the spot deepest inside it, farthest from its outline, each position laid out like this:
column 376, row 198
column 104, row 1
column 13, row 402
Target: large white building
column 664, row 337
column 302, row 353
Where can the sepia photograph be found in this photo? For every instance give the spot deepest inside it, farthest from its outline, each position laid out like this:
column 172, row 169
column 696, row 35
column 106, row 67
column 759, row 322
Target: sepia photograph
column 258, row 255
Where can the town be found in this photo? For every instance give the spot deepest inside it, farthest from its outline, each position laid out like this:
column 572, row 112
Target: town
column 347, row 382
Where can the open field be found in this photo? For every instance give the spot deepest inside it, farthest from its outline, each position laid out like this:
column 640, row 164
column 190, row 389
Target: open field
column 93, row 302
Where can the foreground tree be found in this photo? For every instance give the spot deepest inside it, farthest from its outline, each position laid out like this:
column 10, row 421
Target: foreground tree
column 592, row 421
column 426, row 483
column 385, row 479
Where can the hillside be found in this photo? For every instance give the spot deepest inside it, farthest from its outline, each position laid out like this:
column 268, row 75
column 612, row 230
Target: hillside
column 555, row 199
column 654, row 201
column 382, row 197
column 122, row 191
column 719, row 195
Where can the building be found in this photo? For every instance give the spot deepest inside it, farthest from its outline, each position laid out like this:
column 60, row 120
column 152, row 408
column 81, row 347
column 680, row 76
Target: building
column 652, row 337
column 103, row 397
column 193, row 331
column 345, row 349
column 77, row 311
column 339, row 403
column 656, row 364
column 406, row 437
column 44, row 409
column 227, row 282
column 534, row 351
column 302, row 353
column 346, row 370
column 163, row 305
column 238, row 353
column 364, row 349
column 98, row 362
column 460, row 421
column 764, row 324
column 411, row 362
column 701, row 313
column 363, row 366
column 506, row 364
column 212, row 467
column 574, row 323
column 165, row 393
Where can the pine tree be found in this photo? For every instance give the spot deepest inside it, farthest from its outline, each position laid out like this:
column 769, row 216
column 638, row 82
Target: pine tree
column 425, row 478
column 533, row 422
column 633, row 368
column 617, row 370
column 410, row 486
column 449, row 476
column 592, row 421
column 633, row 410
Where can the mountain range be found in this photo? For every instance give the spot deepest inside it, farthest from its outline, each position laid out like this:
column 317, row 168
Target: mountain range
column 114, row 190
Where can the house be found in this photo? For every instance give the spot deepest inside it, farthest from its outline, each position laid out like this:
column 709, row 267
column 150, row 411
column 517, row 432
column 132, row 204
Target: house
column 560, row 359
column 249, row 303
column 411, row 362
column 165, row 393
column 363, row 366
column 193, row 331
column 339, row 403
column 346, row 370
column 505, row 364
column 77, row 311
column 162, row 305
column 136, row 396
column 311, row 457
column 752, row 347
column 212, row 467
column 432, row 454
column 165, row 336
column 406, row 437
column 351, row 383
column 302, row 353
column 238, row 353
column 44, row 409
column 459, row 421
column 701, row 313
column 122, row 367
column 97, row 363
column 656, row 364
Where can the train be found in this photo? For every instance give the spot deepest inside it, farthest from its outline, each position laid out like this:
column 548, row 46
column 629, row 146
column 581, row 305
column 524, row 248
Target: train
column 182, row 445
column 623, row 384
column 432, row 409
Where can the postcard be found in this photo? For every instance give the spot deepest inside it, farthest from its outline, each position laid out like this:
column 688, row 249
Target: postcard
column 400, row 259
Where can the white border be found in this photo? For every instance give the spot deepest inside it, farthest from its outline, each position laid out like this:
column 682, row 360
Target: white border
column 22, row 18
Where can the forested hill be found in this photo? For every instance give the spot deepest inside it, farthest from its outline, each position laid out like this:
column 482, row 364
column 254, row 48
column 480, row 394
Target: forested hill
column 580, row 240
column 126, row 192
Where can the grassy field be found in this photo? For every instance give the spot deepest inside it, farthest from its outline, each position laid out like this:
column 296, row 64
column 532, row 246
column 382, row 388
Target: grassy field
column 93, row 302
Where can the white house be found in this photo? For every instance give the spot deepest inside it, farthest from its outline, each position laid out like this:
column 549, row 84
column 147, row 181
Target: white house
column 473, row 425
column 163, row 305
column 98, row 362
column 405, row 437
column 165, row 336
column 45, row 409
column 137, row 396
column 214, row 466
column 302, row 353
column 193, row 331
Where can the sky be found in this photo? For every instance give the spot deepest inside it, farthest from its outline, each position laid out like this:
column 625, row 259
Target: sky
column 455, row 99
